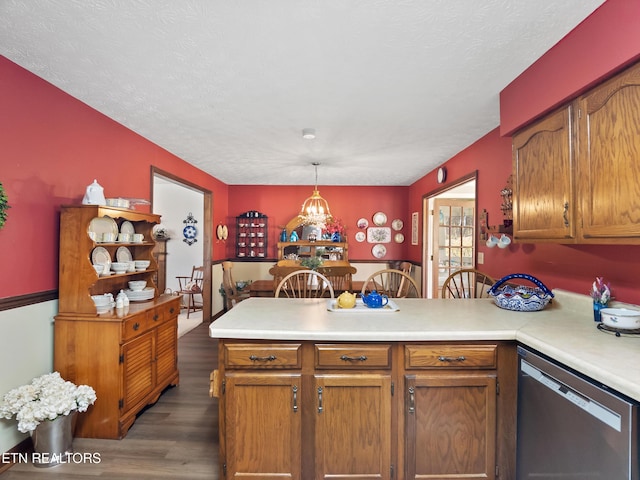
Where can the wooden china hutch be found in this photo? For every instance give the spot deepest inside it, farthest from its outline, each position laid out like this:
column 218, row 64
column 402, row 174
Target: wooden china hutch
column 128, row 356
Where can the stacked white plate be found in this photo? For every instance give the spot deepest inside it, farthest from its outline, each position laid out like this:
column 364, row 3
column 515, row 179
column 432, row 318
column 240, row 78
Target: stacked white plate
column 140, row 295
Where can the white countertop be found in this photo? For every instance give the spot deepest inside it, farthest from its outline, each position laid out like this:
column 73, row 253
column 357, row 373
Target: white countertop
column 564, row 330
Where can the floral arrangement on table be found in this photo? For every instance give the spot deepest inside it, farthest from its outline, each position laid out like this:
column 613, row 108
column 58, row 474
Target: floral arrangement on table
column 312, row 262
column 334, row 228
column 45, row 398
column 601, row 291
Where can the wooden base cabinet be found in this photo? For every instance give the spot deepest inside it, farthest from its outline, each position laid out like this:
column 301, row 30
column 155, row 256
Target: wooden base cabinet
column 360, row 411
column 129, row 361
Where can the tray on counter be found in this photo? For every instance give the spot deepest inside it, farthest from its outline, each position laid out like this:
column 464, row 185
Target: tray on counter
column 332, row 306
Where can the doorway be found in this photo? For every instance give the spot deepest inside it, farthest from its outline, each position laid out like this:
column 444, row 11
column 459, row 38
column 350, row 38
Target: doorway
column 449, row 232
column 176, row 199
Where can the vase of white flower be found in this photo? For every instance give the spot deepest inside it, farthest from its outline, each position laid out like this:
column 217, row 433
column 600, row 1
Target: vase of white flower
column 46, row 408
column 53, row 440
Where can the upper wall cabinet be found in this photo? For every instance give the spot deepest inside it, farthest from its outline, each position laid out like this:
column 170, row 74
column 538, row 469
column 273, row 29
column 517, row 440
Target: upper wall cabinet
column 543, row 180
column 609, row 160
column 577, row 171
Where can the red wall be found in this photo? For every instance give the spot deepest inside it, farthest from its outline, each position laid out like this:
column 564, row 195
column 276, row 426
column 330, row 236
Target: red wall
column 282, row 203
column 52, row 146
column 604, row 42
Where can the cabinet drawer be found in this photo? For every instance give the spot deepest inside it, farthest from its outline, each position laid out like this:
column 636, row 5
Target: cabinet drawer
column 263, row 356
column 353, row 356
column 135, row 326
column 450, row 356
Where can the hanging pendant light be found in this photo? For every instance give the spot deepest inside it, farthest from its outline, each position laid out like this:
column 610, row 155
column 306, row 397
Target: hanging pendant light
column 315, row 209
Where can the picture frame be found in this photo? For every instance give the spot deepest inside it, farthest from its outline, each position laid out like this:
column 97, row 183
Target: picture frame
column 414, row 228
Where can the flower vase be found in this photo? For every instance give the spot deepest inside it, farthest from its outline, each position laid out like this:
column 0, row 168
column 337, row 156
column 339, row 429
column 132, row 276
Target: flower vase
column 335, row 237
column 53, row 440
column 597, row 306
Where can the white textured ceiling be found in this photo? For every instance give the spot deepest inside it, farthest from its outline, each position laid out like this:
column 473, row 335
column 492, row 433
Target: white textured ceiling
column 392, row 87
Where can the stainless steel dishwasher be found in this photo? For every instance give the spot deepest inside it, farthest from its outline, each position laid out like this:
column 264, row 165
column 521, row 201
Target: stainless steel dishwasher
column 569, row 427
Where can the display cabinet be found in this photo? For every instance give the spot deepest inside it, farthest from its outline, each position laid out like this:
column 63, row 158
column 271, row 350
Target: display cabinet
column 252, row 229
column 325, row 248
column 128, row 355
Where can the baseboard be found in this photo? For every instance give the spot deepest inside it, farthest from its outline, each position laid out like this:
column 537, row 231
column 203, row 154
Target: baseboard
column 24, row 447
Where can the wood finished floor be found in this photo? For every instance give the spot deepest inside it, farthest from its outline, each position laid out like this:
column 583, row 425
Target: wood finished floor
column 176, row 438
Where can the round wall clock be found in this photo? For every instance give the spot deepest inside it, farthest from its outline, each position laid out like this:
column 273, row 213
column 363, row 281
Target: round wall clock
column 442, row 174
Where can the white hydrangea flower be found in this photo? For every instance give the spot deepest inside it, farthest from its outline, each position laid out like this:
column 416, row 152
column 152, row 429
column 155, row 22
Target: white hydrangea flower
column 45, row 398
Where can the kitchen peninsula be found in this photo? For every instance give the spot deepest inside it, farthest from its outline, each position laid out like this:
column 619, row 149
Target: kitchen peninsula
column 448, row 364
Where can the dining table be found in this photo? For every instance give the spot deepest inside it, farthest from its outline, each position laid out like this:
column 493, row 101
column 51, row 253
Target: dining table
column 264, row 288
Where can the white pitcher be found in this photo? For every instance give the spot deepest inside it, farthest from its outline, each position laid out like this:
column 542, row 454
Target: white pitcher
column 94, row 195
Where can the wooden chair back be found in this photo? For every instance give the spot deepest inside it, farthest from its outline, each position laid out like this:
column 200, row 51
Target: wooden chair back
column 340, row 276
column 393, row 283
column 232, row 295
column 467, row 283
column 279, row 272
column 191, row 289
column 305, row 284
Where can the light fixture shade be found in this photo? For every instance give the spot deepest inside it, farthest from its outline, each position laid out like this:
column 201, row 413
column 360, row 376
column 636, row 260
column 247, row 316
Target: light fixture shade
column 315, row 209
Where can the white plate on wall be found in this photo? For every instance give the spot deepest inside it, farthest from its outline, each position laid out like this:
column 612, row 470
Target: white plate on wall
column 379, row 251
column 397, row 224
column 379, row 218
column 360, row 236
column 398, row 237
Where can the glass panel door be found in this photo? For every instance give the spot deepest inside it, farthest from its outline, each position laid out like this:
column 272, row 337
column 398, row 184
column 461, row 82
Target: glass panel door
column 454, row 239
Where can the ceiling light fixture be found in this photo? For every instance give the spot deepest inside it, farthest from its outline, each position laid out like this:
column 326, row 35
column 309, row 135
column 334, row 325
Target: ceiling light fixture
column 315, row 209
column 309, row 133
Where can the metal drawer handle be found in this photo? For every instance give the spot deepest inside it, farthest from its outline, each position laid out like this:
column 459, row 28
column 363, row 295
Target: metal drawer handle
column 320, row 400
column 255, row 358
column 461, row 358
column 136, row 326
column 295, row 399
column 156, row 317
column 565, row 214
column 171, row 310
column 346, row 358
column 412, row 400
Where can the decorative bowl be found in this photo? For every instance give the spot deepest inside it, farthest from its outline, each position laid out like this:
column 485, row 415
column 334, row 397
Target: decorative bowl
column 142, row 263
column 137, row 285
column 101, row 300
column 119, row 267
column 521, row 298
column 621, row 318
column 98, row 267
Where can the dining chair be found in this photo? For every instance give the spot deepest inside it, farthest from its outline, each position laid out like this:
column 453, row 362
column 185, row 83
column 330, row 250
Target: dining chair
column 281, row 271
column 232, row 295
column 305, row 284
column 392, row 283
column 340, row 276
column 467, row 283
column 190, row 287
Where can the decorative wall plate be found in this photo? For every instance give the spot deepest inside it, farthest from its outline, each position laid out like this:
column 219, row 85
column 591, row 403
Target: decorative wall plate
column 379, row 219
column 363, row 223
column 398, row 237
column 378, row 234
column 219, row 232
column 225, row 232
column 379, row 251
column 397, row 224
column 360, row 237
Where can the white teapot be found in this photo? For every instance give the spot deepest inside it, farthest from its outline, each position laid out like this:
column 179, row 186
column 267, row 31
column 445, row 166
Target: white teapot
column 94, row 195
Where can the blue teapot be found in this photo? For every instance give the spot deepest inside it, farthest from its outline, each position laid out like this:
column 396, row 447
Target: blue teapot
column 375, row 300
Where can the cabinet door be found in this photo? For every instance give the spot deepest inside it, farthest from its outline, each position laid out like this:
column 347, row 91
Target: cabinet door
column 450, row 426
column 166, row 350
column 609, row 160
column 138, row 370
column 263, row 425
column 353, row 427
column 543, row 182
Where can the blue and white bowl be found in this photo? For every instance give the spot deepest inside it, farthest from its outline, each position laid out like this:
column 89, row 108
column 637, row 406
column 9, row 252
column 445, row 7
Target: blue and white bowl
column 520, row 298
